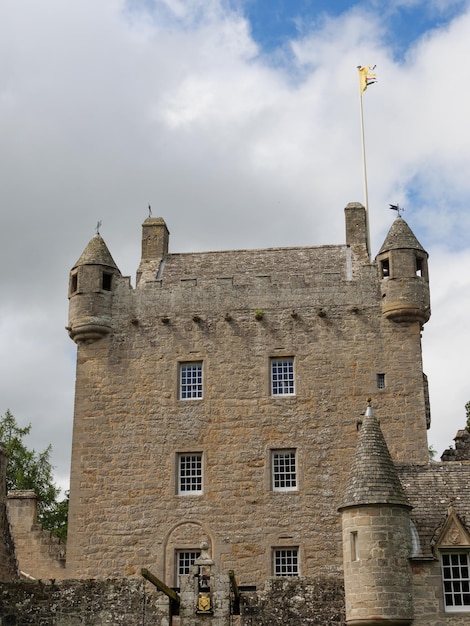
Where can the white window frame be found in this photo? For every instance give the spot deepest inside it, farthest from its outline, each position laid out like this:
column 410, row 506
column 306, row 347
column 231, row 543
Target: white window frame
column 282, row 376
column 456, row 580
column 184, row 560
column 190, row 473
column 284, row 474
column 191, row 380
column 286, row 562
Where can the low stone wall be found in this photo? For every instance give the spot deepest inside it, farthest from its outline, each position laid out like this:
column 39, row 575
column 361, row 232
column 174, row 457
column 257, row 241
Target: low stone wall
column 81, row 603
column 133, row 602
column 296, row 602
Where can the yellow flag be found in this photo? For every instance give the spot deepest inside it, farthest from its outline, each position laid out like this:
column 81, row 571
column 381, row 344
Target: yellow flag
column 366, row 77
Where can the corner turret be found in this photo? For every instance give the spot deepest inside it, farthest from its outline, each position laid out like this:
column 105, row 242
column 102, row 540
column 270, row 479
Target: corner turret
column 403, row 267
column 376, row 535
column 91, row 287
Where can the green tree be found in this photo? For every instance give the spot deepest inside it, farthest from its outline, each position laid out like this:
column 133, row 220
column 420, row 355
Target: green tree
column 432, row 452
column 27, row 469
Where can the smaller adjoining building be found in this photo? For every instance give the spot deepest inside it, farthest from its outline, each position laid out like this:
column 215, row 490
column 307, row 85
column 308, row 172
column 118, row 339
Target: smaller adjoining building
column 40, row 554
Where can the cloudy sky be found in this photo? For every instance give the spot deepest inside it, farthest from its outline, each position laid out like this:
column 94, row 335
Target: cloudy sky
column 238, row 121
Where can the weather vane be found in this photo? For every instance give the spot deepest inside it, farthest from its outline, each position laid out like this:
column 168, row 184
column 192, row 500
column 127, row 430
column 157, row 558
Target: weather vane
column 150, row 211
column 98, row 224
column 397, row 208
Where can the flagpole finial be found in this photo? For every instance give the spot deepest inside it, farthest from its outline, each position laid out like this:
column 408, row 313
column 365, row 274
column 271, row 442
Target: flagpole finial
column 98, row 225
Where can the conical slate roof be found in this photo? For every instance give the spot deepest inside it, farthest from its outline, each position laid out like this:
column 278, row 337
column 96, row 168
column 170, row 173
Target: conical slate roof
column 400, row 236
column 96, row 253
column 373, row 478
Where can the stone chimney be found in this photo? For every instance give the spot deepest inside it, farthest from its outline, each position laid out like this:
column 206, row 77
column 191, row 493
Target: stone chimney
column 155, row 240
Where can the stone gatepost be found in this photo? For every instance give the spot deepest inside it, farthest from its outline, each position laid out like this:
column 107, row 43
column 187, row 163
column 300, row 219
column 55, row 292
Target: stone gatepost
column 205, row 594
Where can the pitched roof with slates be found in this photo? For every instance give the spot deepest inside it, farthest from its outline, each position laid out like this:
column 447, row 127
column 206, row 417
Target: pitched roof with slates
column 431, row 489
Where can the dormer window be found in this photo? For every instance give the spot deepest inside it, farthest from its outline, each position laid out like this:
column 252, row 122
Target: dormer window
column 453, row 545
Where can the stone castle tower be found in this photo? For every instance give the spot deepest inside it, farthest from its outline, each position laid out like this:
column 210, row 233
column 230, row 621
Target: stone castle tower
column 218, row 400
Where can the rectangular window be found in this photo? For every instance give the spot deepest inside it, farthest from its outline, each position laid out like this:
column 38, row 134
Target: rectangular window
column 191, row 381
column 456, row 580
column 282, row 377
column 184, row 561
column 74, row 283
column 286, row 562
column 385, row 268
column 354, row 546
column 381, row 381
column 284, row 470
column 190, row 473
column 106, row 281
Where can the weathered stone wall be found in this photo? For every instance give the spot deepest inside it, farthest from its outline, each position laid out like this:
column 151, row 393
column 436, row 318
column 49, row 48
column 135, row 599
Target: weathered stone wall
column 377, row 574
column 40, row 554
column 321, row 306
column 133, row 603
column 296, row 602
column 81, row 603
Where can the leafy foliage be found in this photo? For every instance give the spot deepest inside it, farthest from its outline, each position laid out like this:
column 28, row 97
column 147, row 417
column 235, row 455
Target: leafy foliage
column 27, row 469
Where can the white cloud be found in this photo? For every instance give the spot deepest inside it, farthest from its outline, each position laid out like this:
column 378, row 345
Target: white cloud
column 108, row 106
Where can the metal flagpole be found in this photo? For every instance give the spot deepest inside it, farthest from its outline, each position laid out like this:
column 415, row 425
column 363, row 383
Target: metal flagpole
column 362, row 88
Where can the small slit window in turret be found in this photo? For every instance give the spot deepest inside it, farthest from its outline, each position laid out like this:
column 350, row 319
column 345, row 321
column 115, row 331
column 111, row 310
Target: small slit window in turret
column 420, row 267
column 381, row 381
column 74, row 283
column 354, row 546
column 106, row 281
column 385, row 268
